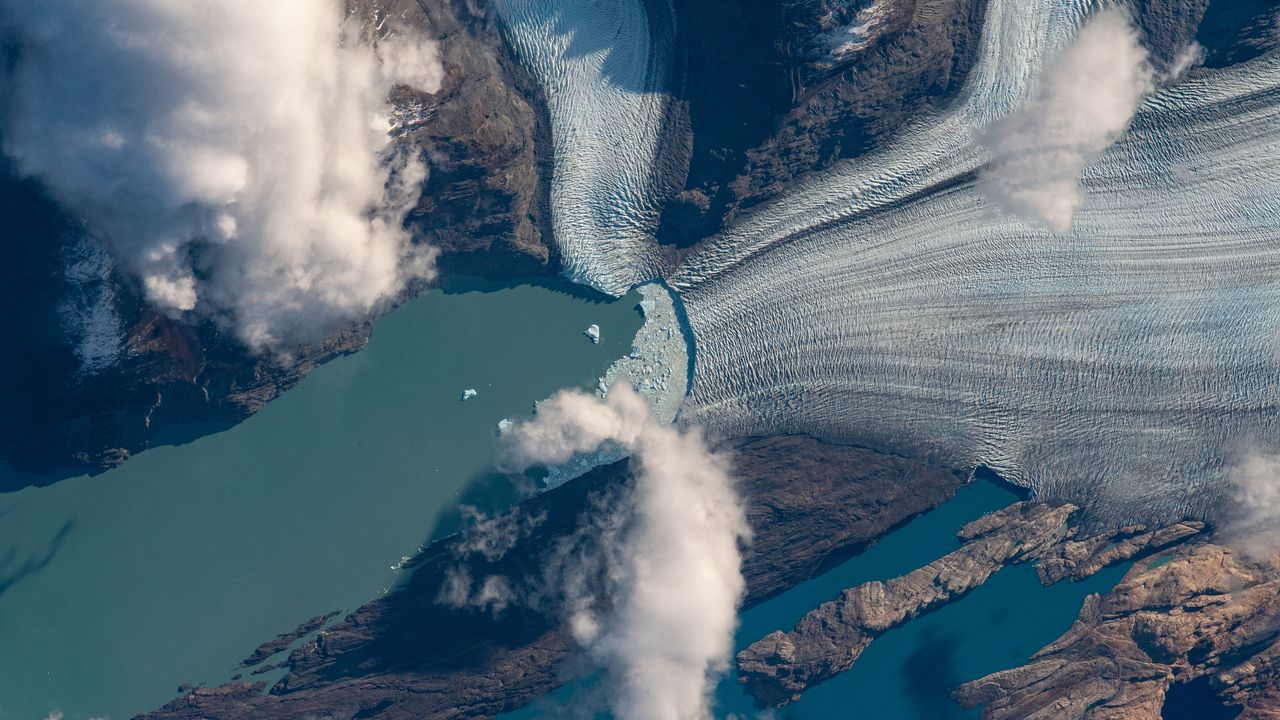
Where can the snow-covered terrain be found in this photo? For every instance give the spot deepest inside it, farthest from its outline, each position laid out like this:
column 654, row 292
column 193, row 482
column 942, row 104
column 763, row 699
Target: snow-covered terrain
column 88, row 311
column 602, row 66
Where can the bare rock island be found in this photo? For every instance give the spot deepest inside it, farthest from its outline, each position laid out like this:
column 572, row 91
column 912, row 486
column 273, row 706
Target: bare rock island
column 828, row 640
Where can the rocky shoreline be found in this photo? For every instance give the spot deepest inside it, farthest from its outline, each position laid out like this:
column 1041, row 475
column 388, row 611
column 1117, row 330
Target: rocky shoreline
column 738, row 133
column 1208, row 613
column 409, row 655
column 484, row 207
column 829, row 639
column 1188, row 614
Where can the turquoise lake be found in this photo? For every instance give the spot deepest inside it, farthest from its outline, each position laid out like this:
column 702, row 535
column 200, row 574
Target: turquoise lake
column 907, row 673
column 116, row 589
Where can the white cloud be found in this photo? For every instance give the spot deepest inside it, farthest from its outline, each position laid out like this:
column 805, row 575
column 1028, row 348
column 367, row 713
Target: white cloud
column 233, row 154
column 494, row 593
column 1087, row 97
column 1189, row 57
column 1251, row 519
column 493, row 537
column 674, row 566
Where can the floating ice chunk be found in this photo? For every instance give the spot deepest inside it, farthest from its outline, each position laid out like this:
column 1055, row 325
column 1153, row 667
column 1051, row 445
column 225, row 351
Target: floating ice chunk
column 469, row 393
column 504, row 425
column 593, row 332
column 658, row 353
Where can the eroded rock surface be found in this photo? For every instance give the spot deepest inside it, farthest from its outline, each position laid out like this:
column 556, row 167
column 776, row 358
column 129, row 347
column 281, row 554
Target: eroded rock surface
column 829, row 639
column 1207, row 612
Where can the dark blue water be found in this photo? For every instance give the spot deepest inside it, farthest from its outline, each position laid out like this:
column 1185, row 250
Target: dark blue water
column 908, row 672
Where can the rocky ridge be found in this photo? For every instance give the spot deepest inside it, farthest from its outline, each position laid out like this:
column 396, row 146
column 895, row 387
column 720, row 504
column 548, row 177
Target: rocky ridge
column 1209, row 613
column 788, row 104
column 829, row 639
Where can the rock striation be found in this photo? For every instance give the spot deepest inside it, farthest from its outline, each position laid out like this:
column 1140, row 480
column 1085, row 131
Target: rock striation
column 827, row 641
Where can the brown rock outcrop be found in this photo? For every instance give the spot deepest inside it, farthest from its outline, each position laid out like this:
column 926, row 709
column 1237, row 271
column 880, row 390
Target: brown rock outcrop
column 484, row 133
column 770, row 103
column 827, row 641
column 1079, row 559
column 1206, row 613
column 409, row 656
column 284, row 640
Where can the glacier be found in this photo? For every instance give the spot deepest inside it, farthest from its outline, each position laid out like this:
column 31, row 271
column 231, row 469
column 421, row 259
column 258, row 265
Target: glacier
column 657, row 368
column 1124, row 367
column 603, row 67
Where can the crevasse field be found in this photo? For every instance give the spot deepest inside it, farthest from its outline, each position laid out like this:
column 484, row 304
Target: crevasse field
column 603, row 66
column 1124, row 366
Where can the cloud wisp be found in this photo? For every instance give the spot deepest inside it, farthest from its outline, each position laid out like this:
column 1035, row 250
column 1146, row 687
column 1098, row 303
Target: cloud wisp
column 1087, row 97
column 1250, row 520
column 674, row 578
column 234, row 155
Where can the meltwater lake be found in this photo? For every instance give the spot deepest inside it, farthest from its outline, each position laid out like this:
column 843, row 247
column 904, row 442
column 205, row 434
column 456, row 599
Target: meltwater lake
column 118, row 588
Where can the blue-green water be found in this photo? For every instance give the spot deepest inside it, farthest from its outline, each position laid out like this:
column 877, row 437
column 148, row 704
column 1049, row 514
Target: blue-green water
column 907, row 673
column 115, row 589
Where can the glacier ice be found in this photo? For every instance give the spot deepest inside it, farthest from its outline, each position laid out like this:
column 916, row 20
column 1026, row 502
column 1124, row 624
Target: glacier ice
column 1121, row 366
column 886, row 302
column 602, row 66
column 657, row 367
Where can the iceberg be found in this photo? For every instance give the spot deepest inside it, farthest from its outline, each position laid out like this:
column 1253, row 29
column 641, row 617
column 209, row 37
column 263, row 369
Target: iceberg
column 657, row 367
column 469, row 393
column 593, row 332
column 887, row 302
